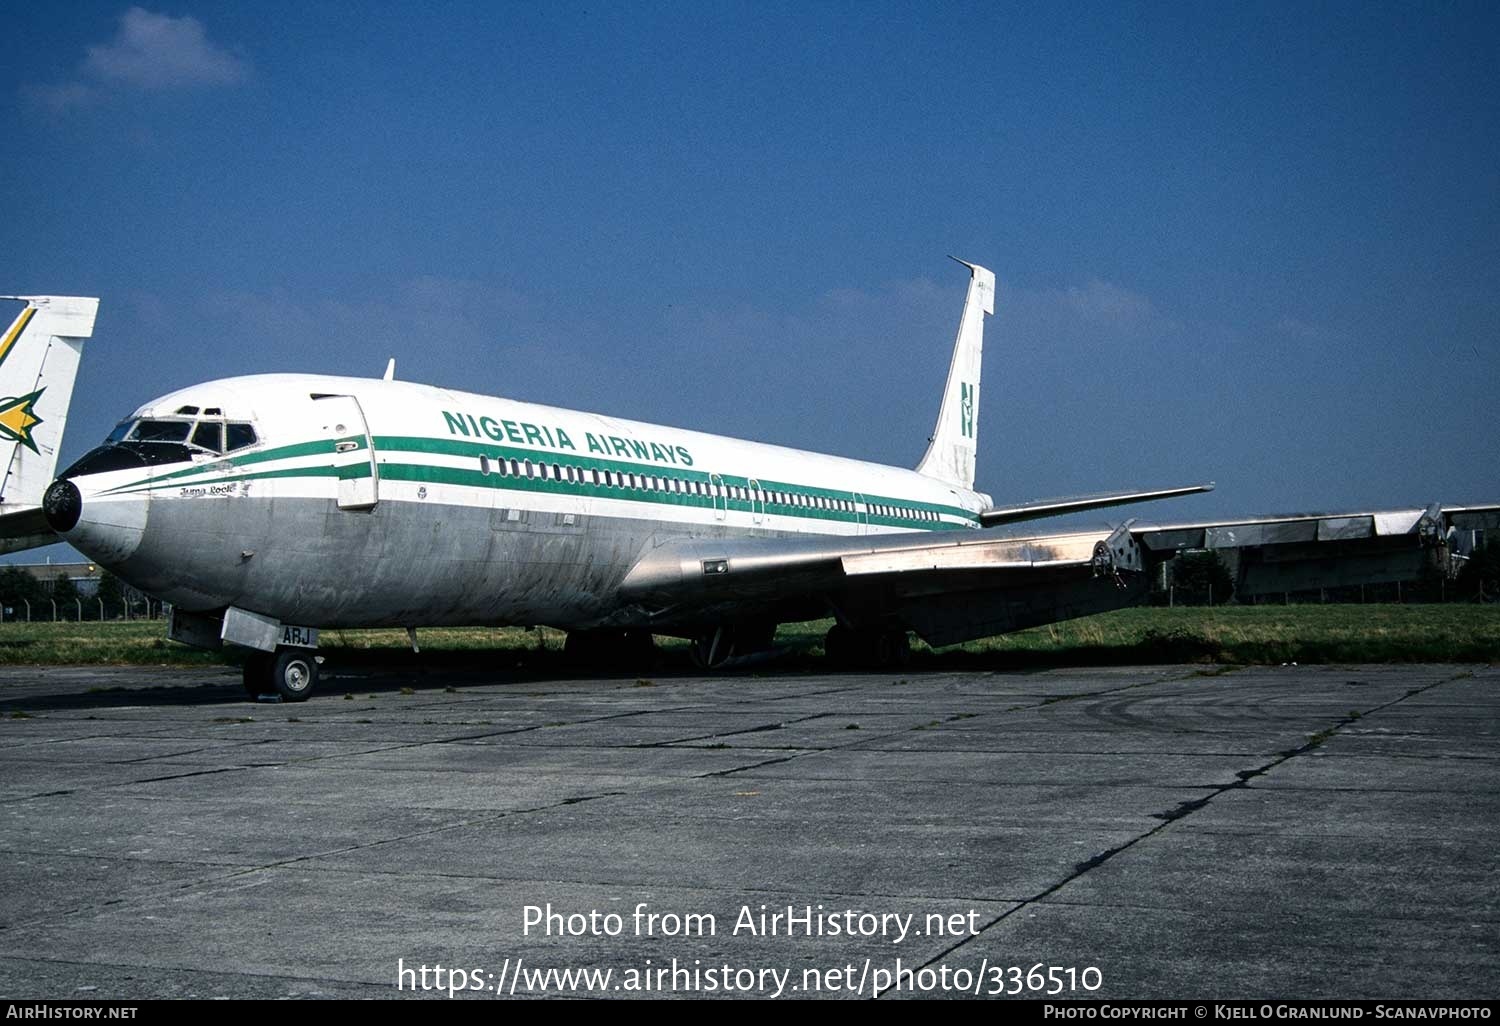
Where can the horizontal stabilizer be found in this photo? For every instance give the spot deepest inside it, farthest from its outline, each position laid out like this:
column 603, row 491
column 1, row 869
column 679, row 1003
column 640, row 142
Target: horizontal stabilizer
column 1043, row 508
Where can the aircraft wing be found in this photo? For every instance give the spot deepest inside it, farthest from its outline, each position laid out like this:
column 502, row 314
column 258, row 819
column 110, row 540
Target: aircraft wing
column 947, row 589
column 1041, row 508
column 951, row 589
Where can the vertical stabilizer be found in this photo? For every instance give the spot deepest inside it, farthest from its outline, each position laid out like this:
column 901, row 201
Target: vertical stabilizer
column 955, row 441
column 38, row 362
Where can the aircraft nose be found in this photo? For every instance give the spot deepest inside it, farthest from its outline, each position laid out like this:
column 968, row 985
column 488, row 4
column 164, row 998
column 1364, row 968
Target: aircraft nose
column 62, row 505
column 105, row 527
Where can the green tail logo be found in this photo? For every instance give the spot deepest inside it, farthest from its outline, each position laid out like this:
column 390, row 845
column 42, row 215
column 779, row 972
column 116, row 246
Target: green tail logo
column 18, row 417
column 966, row 408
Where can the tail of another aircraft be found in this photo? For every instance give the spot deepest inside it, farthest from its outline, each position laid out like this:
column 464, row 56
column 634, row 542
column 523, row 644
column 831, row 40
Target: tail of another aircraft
column 38, row 362
column 955, row 441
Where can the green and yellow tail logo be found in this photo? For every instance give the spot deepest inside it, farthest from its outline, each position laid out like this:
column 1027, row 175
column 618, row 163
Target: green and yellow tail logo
column 14, row 334
column 966, row 408
column 18, row 418
column 18, row 413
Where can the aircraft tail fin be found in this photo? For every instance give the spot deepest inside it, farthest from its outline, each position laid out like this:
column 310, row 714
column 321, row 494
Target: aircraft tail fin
column 38, row 362
column 954, row 444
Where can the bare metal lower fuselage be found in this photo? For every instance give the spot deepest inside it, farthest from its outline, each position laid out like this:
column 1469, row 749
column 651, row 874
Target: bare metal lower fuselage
column 305, row 560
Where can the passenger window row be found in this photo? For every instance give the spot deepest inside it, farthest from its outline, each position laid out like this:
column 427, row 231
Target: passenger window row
column 902, row 512
column 543, row 471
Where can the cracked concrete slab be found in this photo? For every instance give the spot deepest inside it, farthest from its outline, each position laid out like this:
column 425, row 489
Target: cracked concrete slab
column 1259, row 833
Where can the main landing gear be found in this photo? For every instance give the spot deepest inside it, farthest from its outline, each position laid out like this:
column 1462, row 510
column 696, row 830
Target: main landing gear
column 868, row 648
column 289, row 672
column 714, row 650
column 627, row 651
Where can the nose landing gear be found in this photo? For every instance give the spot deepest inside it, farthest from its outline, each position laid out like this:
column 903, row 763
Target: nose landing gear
column 291, row 673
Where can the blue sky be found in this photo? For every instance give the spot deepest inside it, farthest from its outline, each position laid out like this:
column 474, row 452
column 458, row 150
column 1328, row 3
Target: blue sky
column 1250, row 243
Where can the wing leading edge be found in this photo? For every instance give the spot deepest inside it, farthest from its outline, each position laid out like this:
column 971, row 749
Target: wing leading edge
column 1043, row 508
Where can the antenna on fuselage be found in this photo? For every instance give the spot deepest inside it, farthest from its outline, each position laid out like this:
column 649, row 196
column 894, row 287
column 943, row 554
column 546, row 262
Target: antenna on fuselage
column 390, row 370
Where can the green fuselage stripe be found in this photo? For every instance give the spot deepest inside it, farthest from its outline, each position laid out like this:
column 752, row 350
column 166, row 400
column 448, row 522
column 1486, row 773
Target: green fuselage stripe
column 454, row 447
column 218, row 466
column 904, row 515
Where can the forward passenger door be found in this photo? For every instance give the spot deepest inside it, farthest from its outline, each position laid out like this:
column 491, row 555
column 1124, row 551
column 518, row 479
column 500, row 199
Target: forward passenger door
column 353, row 451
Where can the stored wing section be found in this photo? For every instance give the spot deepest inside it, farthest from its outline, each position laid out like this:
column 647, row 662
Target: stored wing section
column 1273, row 555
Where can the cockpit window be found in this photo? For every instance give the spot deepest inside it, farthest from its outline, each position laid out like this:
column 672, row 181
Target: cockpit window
column 238, row 436
column 210, row 434
column 161, row 431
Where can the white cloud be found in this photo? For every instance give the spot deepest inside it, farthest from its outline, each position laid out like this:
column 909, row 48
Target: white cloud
column 1103, row 302
column 58, row 99
column 158, row 51
column 1099, row 309
column 151, row 52
column 444, row 331
column 1302, row 331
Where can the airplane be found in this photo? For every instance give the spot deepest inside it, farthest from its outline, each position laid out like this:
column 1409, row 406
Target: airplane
column 267, row 508
column 39, row 356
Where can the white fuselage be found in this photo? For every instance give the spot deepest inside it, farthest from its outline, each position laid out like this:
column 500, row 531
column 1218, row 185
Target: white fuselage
column 368, row 502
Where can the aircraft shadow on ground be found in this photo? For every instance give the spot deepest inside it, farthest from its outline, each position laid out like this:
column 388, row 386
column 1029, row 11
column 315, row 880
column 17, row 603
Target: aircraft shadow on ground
column 364, row 671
